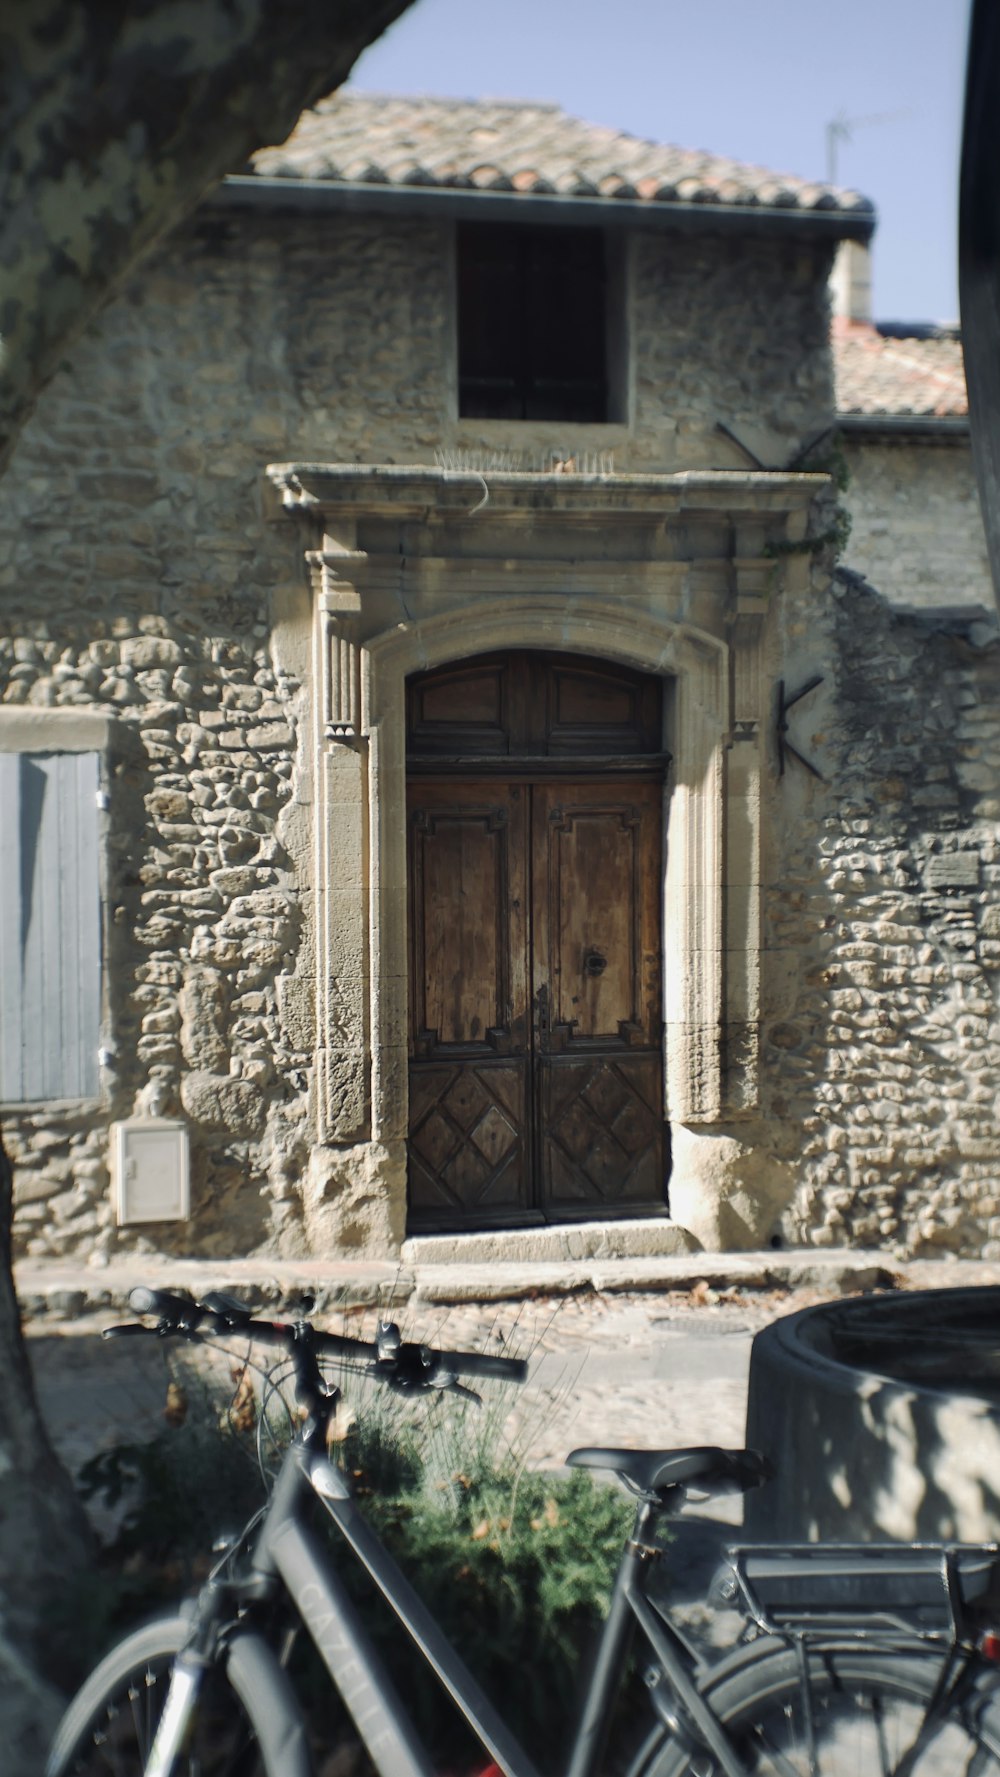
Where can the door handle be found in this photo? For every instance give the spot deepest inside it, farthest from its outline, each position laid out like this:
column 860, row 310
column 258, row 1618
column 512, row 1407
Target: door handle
column 542, row 1010
column 594, row 963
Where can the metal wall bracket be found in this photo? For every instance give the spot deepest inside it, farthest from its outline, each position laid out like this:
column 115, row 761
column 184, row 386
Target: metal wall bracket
column 784, row 745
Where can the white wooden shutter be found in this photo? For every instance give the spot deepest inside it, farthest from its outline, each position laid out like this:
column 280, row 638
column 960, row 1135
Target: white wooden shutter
column 50, row 926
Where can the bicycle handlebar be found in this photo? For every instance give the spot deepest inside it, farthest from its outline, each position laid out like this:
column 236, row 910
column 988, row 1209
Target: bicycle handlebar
column 406, row 1364
column 483, row 1363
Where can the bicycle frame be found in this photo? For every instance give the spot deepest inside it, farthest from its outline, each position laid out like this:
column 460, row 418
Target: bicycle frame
column 286, row 1550
column 801, row 1598
column 805, row 1600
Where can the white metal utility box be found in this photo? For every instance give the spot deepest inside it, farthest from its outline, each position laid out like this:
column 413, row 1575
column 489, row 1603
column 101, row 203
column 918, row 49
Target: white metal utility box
column 150, row 1170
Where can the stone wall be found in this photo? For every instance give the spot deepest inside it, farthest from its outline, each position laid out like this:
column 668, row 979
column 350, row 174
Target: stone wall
column 203, row 915
column 139, row 577
column 883, row 917
column 916, row 532
column 728, row 333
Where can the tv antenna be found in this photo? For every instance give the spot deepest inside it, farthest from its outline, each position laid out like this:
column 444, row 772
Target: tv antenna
column 841, row 129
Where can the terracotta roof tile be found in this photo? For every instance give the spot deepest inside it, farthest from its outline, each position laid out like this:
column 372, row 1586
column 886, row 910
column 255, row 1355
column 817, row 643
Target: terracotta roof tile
column 521, row 147
column 880, row 374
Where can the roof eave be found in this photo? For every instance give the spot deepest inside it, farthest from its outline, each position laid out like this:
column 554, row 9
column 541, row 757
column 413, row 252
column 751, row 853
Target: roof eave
column 252, row 191
column 906, row 427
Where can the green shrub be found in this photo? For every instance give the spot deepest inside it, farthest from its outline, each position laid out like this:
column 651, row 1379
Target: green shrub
column 517, row 1569
column 516, row 1565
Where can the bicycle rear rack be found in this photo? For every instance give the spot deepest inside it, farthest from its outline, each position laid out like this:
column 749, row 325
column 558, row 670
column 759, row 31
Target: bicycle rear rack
column 860, row 1592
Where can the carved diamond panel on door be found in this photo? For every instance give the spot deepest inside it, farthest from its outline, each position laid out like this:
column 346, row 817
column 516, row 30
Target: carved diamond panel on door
column 601, row 1130
column 467, row 1143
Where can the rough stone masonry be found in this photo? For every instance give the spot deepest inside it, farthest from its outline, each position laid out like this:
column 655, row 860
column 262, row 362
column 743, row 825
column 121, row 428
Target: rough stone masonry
column 139, row 580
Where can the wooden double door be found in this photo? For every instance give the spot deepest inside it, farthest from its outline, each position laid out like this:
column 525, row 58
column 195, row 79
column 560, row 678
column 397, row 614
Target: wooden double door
column 535, row 988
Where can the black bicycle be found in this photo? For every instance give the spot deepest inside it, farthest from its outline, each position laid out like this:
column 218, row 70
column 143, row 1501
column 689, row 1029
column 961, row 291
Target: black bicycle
column 868, row 1661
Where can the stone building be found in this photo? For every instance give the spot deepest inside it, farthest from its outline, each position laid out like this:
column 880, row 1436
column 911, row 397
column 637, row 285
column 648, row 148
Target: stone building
column 903, row 426
column 455, row 794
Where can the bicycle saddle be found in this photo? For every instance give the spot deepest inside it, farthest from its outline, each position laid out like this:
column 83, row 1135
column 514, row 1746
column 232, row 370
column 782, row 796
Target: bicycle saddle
column 704, row 1466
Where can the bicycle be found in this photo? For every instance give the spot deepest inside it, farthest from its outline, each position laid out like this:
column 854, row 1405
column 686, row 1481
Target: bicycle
column 865, row 1660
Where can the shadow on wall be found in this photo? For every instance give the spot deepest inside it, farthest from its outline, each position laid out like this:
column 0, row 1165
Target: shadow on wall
column 881, row 1418
column 882, row 960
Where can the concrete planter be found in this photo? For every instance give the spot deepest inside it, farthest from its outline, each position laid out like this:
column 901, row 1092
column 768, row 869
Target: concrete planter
column 881, row 1415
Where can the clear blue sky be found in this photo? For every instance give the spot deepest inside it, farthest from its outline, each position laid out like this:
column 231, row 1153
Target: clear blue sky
column 755, row 79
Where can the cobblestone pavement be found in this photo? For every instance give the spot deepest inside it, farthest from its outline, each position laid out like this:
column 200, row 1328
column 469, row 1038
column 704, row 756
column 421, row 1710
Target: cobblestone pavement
column 623, row 1370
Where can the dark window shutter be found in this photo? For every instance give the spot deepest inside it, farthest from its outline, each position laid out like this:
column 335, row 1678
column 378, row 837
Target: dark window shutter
column 50, row 927
column 532, row 323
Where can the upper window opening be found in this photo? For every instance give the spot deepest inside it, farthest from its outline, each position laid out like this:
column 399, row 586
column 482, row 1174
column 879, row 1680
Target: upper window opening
column 532, row 323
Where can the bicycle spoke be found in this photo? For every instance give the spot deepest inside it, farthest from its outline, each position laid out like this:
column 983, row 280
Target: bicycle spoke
column 878, row 1716
column 778, row 1765
column 220, row 1741
column 865, row 1734
column 140, row 1702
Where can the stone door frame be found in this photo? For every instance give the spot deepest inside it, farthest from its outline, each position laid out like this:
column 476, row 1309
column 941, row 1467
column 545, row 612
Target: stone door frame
column 697, row 671
column 404, row 580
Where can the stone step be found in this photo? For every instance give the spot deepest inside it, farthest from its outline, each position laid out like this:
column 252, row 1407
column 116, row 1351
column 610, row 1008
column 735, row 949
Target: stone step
column 459, row 1272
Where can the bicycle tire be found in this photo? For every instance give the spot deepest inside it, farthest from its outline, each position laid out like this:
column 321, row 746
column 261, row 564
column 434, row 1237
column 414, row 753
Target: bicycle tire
column 247, row 1719
column 867, row 1709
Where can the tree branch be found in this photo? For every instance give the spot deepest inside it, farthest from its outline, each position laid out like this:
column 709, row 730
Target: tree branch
column 118, row 118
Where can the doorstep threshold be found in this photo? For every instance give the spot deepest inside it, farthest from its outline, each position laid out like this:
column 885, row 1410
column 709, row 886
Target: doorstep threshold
column 565, row 1242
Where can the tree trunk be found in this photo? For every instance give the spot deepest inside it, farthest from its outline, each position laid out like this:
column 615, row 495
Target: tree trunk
column 45, row 1540
column 118, row 117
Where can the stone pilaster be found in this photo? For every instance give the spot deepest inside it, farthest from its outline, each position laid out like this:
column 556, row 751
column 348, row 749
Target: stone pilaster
column 343, row 1052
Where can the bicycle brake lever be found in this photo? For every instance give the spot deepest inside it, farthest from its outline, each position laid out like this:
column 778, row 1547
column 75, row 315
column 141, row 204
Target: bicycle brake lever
column 460, row 1388
column 446, row 1382
column 235, row 1314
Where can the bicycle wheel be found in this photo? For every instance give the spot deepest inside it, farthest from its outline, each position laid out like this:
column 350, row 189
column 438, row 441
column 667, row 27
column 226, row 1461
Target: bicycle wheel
column 246, row 1721
column 867, row 1710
